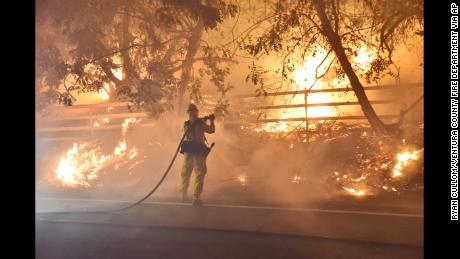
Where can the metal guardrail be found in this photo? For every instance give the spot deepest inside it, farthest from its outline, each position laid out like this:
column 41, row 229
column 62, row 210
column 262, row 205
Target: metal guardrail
column 287, row 106
column 83, row 118
column 305, row 105
column 63, row 113
column 386, row 116
column 330, row 90
column 87, row 115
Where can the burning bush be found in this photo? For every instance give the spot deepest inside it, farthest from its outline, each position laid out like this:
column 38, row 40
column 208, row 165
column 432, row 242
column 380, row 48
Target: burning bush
column 377, row 164
column 84, row 162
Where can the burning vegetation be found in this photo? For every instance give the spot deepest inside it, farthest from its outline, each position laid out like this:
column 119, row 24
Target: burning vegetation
column 378, row 164
column 84, row 162
column 317, row 68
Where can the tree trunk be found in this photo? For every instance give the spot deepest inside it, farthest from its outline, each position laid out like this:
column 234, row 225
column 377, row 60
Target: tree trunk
column 115, row 81
column 127, row 65
column 192, row 49
column 336, row 44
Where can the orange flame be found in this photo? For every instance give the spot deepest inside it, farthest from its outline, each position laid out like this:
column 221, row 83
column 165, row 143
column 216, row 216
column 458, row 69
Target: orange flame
column 403, row 160
column 83, row 162
column 305, row 77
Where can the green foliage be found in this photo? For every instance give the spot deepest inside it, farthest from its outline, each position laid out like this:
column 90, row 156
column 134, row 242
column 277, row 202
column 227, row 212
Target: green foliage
column 86, row 40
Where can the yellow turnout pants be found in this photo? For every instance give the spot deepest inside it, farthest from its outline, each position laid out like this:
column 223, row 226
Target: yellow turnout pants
column 191, row 162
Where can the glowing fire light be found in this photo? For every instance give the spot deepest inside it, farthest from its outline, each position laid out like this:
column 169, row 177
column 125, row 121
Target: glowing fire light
column 354, row 192
column 296, row 179
column 120, row 149
column 274, row 127
column 403, row 160
column 359, row 179
column 98, row 122
column 104, row 93
column 370, row 181
column 243, row 180
column 305, row 77
column 133, row 153
column 364, row 58
column 80, row 165
column 118, row 73
column 126, row 122
column 83, row 161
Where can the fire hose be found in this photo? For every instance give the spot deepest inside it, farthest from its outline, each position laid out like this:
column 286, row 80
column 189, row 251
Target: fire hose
column 133, row 204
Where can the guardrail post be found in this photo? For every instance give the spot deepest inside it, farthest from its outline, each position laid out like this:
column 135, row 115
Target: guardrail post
column 306, row 113
column 91, row 122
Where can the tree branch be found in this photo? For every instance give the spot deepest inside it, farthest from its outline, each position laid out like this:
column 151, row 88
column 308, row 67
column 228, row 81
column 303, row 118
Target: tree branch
column 249, row 29
column 404, row 112
column 108, row 71
column 336, row 16
column 219, row 59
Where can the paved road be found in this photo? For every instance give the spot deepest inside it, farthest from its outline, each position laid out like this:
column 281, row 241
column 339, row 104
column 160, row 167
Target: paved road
column 83, row 240
column 384, row 227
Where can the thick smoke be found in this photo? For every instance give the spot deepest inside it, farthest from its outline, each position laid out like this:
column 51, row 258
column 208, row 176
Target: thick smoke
column 242, row 168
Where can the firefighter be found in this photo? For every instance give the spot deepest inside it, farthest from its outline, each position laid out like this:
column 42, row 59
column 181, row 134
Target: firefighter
column 195, row 152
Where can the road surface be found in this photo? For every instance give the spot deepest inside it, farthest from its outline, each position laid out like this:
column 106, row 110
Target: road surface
column 56, row 240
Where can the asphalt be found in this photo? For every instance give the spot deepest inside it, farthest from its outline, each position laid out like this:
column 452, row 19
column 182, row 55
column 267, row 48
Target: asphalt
column 384, row 227
column 88, row 240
